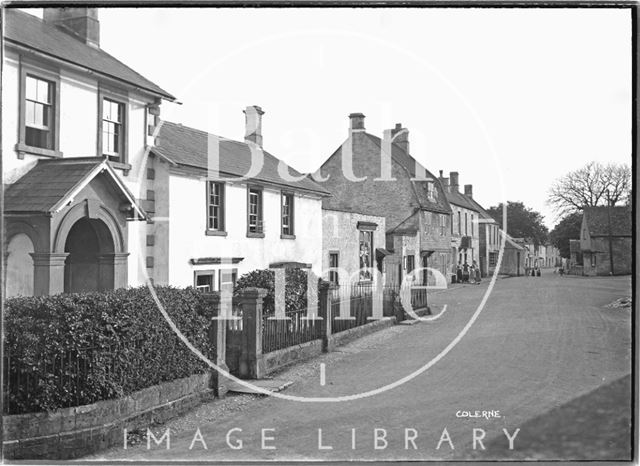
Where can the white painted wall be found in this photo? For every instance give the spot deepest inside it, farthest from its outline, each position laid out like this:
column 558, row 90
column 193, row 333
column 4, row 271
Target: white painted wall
column 187, row 239
column 474, row 232
column 19, row 266
column 78, row 123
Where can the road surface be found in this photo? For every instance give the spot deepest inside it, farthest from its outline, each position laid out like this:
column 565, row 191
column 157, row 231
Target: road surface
column 538, row 344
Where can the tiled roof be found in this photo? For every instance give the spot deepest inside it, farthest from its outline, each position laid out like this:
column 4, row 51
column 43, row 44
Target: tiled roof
column 483, row 213
column 405, row 159
column 459, row 199
column 32, row 32
column 46, row 187
column 597, row 219
column 188, row 146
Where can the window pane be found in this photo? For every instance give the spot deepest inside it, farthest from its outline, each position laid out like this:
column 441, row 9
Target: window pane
column 43, row 91
column 30, row 109
column 38, row 115
column 31, row 88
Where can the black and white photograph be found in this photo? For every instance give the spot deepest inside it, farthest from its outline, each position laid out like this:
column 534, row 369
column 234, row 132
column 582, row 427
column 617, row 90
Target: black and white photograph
column 318, row 232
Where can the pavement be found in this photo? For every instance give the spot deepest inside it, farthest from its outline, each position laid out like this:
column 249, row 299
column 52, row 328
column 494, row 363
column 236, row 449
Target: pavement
column 538, row 345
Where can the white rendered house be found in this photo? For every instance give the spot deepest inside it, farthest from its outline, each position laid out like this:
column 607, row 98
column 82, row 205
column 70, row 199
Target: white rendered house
column 76, row 125
column 213, row 223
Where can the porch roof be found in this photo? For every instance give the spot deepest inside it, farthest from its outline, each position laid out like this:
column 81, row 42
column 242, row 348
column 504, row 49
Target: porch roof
column 51, row 184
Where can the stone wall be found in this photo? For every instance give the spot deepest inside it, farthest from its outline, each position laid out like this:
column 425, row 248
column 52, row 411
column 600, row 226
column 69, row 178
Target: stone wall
column 622, row 256
column 73, row 432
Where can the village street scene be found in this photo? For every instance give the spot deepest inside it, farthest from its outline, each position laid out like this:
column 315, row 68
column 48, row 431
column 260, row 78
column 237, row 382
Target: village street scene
column 170, row 293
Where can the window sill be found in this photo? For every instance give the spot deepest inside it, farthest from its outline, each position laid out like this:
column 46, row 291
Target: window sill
column 21, row 149
column 283, row 236
column 121, row 165
column 251, row 234
column 215, row 233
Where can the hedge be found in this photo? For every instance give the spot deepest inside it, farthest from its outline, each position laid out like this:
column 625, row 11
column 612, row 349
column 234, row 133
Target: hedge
column 74, row 349
column 295, row 294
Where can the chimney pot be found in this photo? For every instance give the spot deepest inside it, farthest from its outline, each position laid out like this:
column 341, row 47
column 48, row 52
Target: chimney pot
column 440, row 173
column 454, row 181
column 356, row 121
column 253, row 124
column 468, row 190
column 81, row 23
column 400, row 137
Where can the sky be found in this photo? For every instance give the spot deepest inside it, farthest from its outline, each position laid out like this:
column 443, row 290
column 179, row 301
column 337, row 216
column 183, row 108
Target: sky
column 510, row 98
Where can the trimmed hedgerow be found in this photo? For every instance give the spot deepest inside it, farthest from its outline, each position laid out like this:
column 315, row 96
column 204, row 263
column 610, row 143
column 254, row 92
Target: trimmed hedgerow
column 295, row 289
column 74, row 349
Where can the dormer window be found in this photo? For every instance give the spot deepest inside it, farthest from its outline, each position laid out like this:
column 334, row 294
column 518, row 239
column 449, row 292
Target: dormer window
column 432, row 193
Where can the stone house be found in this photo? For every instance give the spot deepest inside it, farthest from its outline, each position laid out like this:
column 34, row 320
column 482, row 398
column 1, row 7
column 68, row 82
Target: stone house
column 488, row 237
column 379, row 177
column 465, row 231
column 226, row 217
column 76, row 125
column 512, row 257
column 552, row 254
column 606, row 240
column 353, row 245
column 575, row 257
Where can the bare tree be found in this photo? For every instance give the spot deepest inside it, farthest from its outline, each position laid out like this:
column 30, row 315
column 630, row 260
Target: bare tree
column 592, row 185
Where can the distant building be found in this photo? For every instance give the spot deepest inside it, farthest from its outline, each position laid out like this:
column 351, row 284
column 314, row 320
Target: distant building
column 512, row 257
column 606, row 240
column 488, row 237
column 575, row 257
column 465, row 234
column 552, row 255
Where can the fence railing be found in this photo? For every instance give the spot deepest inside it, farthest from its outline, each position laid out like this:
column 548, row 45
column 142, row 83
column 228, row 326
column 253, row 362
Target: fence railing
column 419, row 298
column 356, row 300
column 74, row 373
column 295, row 329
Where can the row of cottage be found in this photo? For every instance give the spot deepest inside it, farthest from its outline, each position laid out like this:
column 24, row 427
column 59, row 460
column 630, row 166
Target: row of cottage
column 101, row 193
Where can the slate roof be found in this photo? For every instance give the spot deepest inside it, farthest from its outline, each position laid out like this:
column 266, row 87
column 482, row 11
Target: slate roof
column 483, row 213
column 187, row 146
column 459, row 199
column 32, row 32
column 45, row 187
column 597, row 219
column 406, row 160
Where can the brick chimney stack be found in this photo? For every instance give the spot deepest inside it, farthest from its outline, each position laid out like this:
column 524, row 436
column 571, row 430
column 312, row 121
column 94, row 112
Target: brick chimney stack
column 253, row 124
column 468, row 190
column 454, row 181
column 400, row 137
column 356, row 122
column 444, row 181
column 81, row 23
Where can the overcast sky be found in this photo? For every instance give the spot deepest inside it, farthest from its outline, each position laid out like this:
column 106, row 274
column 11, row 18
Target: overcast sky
column 509, row 98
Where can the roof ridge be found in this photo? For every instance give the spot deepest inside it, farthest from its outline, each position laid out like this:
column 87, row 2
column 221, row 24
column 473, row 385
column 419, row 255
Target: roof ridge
column 51, row 29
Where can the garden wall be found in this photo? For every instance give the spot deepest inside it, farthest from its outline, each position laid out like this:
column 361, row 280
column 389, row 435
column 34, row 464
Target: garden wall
column 73, row 432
